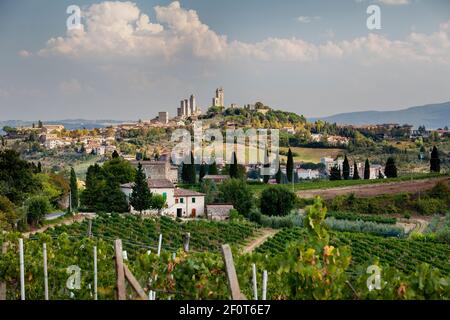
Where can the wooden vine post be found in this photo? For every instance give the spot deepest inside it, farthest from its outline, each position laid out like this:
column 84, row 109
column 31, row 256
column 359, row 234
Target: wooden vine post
column 3, row 284
column 122, row 273
column 233, row 282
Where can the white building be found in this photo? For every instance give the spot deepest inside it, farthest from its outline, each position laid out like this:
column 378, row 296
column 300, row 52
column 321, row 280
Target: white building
column 180, row 203
column 308, row 174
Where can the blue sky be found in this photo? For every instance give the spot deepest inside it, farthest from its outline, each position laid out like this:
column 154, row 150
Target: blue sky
column 311, row 57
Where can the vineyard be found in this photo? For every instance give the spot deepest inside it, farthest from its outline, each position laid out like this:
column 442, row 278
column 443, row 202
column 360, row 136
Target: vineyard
column 402, row 254
column 137, row 233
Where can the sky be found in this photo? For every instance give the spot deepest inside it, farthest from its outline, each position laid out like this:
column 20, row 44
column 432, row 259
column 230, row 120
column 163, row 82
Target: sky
column 131, row 59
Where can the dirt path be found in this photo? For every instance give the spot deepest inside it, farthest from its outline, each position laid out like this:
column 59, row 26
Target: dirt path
column 261, row 238
column 374, row 189
column 68, row 221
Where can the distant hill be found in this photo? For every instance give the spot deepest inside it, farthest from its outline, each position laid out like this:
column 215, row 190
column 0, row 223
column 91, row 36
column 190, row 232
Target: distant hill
column 432, row 116
column 70, row 124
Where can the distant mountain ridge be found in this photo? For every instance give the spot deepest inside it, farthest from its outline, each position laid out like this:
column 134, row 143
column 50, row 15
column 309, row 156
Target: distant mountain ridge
column 432, row 116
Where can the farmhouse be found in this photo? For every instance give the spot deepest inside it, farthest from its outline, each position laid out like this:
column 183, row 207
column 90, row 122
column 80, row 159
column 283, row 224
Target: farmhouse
column 181, row 203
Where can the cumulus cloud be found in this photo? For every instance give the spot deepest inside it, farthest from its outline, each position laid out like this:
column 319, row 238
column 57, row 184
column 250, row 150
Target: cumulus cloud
column 120, row 29
column 25, row 53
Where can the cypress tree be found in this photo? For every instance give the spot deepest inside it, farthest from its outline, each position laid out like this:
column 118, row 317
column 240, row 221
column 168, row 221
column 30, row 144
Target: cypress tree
column 73, row 188
column 346, row 169
column 390, row 170
column 203, row 171
column 279, row 174
column 435, row 162
column 39, row 167
column 234, row 167
column 367, row 170
column 141, row 197
column 192, row 172
column 266, row 166
column 355, row 172
column 289, row 166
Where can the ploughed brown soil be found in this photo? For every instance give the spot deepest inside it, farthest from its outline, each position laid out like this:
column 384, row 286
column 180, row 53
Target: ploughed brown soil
column 370, row 190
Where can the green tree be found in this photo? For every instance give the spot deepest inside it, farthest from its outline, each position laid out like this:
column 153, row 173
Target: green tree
column 236, row 192
column 290, row 166
column 390, row 170
column 212, row 169
column 158, row 202
column 266, row 177
column 119, row 170
column 203, row 171
column 141, row 196
column 234, row 167
column 192, row 171
column 39, row 167
column 37, row 208
column 73, row 189
column 279, row 174
column 277, row 200
column 367, row 170
column 346, row 169
column 335, row 173
column 355, row 172
column 115, row 154
column 209, row 188
column 435, row 162
column 16, row 177
column 8, row 214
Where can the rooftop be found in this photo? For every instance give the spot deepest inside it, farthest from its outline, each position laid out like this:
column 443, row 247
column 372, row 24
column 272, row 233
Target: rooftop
column 186, row 193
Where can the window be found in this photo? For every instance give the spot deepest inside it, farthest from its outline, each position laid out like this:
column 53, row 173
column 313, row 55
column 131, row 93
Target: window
column 165, row 195
column 193, row 200
column 181, row 200
column 176, row 200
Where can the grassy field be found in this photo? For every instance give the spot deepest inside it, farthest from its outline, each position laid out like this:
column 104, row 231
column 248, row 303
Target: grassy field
column 326, row 184
column 312, row 154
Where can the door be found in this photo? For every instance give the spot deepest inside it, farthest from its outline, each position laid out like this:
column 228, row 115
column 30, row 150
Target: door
column 194, row 213
column 179, row 212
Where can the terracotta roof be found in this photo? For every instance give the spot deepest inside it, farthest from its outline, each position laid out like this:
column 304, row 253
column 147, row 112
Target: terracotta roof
column 160, row 183
column 186, row 193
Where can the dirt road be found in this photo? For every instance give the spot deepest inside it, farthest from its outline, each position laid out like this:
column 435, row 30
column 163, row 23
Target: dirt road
column 374, row 189
column 259, row 240
column 68, row 221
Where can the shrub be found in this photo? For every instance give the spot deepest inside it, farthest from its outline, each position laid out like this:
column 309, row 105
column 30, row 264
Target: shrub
column 277, row 201
column 443, row 235
column 429, row 206
column 440, row 191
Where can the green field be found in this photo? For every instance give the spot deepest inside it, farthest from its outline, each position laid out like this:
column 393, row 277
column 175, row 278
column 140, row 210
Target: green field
column 327, row 184
column 312, row 154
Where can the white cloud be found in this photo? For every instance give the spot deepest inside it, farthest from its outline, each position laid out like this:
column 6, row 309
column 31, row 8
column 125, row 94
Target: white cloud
column 25, row 53
column 307, row 19
column 119, row 29
column 394, row 2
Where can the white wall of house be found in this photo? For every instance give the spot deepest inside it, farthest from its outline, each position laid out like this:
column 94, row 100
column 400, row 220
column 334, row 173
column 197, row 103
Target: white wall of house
column 189, row 206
